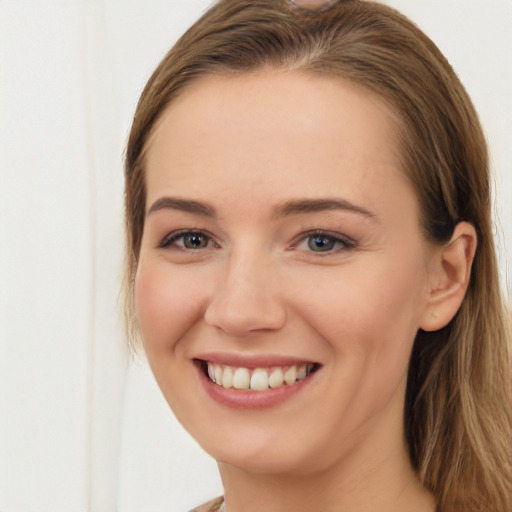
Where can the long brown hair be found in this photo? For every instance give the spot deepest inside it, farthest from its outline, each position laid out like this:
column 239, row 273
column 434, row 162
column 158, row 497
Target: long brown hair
column 458, row 403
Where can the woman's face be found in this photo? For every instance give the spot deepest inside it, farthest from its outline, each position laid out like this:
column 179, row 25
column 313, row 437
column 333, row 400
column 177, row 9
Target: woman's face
column 281, row 238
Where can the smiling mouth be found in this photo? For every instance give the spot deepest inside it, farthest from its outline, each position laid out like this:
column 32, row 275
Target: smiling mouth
column 257, row 379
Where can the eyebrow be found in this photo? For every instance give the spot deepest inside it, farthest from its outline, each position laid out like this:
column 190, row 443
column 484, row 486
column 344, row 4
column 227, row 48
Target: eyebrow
column 184, row 205
column 289, row 208
column 297, row 207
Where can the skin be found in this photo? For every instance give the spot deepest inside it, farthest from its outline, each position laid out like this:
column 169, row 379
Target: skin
column 243, row 147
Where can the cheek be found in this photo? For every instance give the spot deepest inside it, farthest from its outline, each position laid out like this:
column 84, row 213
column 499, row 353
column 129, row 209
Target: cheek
column 370, row 311
column 167, row 303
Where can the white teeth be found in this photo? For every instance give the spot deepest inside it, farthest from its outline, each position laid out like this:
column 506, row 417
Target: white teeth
column 276, row 378
column 227, row 377
column 242, row 378
column 211, row 372
column 290, row 376
column 218, row 374
column 259, row 379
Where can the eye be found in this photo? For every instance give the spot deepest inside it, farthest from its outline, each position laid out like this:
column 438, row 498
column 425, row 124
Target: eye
column 187, row 240
column 324, row 242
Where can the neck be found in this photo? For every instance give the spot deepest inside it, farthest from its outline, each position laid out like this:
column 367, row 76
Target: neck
column 373, row 481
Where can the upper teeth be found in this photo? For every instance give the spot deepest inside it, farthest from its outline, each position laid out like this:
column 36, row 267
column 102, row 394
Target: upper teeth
column 258, row 379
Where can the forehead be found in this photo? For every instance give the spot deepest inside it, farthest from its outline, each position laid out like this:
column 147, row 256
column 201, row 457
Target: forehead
column 272, row 127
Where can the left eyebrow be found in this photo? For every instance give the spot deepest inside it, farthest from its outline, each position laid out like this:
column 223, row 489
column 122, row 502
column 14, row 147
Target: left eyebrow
column 296, row 207
column 184, row 205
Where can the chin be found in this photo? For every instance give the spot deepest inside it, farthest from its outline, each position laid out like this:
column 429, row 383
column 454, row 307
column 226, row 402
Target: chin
column 263, row 454
column 265, row 463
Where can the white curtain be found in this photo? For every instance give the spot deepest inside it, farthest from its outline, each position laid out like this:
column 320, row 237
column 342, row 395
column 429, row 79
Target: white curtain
column 82, row 427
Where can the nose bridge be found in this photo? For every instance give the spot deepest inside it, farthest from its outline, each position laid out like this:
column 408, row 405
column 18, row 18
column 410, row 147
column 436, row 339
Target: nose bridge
column 247, row 295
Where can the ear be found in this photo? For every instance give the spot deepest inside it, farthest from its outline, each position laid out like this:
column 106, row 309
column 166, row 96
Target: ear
column 449, row 274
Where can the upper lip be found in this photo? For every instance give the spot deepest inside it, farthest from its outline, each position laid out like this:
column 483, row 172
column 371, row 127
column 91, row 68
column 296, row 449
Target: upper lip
column 251, row 360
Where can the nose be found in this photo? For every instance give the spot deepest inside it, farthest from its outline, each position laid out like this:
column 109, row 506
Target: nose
column 246, row 299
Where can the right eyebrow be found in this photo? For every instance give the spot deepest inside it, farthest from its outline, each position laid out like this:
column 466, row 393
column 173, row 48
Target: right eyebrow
column 299, row 206
column 184, row 205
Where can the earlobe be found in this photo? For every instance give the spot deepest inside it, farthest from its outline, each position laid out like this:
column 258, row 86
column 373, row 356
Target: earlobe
column 449, row 277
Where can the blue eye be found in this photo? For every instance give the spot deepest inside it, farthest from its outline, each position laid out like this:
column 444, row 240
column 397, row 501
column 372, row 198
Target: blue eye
column 321, row 243
column 189, row 240
column 325, row 242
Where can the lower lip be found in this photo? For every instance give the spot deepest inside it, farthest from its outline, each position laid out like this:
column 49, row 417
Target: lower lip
column 246, row 399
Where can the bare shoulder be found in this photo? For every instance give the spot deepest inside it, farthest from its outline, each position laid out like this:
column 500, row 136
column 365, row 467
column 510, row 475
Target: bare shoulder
column 212, row 506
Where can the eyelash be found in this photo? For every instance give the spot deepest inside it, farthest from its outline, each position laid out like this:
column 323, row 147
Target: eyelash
column 342, row 241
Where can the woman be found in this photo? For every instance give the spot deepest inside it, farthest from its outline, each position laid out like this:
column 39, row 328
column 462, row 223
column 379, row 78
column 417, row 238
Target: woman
column 311, row 264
